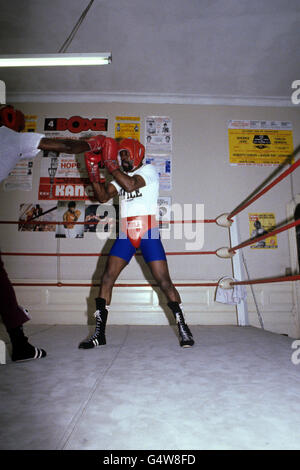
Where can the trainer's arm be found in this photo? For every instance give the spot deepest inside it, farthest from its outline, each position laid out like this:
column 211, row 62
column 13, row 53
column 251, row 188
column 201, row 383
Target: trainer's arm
column 129, row 183
column 104, row 192
column 63, row 145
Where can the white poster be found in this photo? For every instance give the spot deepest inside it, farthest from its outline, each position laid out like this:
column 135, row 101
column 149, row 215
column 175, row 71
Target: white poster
column 162, row 164
column 158, row 134
column 164, row 212
column 20, row 177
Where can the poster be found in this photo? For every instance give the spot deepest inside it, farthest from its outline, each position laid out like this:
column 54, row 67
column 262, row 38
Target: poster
column 158, row 134
column 101, row 218
column 127, row 127
column 162, row 164
column 74, row 126
column 30, row 123
column 259, row 142
column 70, row 212
column 164, row 212
column 65, row 177
column 41, row 212
column 259, row 224
column 21, row 176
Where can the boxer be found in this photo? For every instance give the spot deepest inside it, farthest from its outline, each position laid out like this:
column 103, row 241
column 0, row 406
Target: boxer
column 137, row 186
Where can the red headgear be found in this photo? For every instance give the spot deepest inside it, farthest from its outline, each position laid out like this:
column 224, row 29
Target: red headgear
column 12, row 118
column 136, row 150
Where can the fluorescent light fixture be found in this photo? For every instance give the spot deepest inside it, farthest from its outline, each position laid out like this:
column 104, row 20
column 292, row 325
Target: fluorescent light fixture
column 54, row 60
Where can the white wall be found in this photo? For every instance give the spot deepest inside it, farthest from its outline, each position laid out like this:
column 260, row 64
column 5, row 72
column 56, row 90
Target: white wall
column 201, row 174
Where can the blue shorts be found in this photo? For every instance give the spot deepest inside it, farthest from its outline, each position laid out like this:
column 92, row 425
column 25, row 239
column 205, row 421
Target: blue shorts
column 151, row 247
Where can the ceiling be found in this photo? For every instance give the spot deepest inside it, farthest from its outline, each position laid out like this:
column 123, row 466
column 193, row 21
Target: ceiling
column 185, row 51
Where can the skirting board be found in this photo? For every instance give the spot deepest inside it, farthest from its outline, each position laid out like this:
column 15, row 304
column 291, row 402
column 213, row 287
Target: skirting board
column 147, row 306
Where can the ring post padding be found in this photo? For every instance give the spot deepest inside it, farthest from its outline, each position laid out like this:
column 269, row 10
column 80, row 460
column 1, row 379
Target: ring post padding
column 223, row 220
column 226, row 283
column 224, row 252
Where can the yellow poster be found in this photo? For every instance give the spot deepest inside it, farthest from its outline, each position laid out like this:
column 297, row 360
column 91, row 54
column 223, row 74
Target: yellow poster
column 30, row 123
column 127, row 127
column 259, row 224
column 259, row 142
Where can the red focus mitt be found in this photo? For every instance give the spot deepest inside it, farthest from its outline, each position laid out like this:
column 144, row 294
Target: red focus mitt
column 110, row 154
column 12, row 118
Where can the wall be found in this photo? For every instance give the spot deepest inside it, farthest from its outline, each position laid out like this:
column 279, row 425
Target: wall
column 201, row 174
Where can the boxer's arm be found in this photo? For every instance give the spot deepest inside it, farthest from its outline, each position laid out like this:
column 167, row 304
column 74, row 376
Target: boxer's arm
column 63, row 145
column 104, row 192
column 128, row 183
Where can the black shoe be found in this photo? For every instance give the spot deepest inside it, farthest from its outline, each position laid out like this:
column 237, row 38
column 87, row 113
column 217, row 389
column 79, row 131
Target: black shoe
column 185, row 335
column 27, row 352
column 98, row 338
column 21, row 349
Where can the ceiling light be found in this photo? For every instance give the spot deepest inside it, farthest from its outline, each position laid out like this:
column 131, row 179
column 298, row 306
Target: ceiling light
column 48, row 60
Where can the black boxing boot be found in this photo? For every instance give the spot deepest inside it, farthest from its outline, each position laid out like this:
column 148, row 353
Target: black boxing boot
column 185, row 335
column 98, row 338
column 22, row 350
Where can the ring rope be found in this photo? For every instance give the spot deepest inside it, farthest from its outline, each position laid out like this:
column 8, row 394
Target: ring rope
column 180, row 253
column 262, row 237
column 231, row 250
column 243, row 206
column 185, row 284
column 53, row 222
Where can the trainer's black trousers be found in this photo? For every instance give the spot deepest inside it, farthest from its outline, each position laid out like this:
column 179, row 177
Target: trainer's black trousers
column 12, row 315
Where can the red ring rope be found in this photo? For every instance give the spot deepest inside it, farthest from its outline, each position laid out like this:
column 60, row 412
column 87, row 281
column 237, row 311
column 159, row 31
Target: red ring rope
column 185, row 284
column 262, row 237
column 7, row 253
column 263, row 191
column 53, row 222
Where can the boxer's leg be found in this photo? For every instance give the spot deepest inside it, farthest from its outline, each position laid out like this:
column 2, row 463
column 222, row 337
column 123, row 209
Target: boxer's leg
column 120, row 255
column 154, row 255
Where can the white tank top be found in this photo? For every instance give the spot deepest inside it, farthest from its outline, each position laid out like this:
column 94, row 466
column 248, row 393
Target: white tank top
column 142, row 201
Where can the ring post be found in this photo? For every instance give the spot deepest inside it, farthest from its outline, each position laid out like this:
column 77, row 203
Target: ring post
column 238, row 272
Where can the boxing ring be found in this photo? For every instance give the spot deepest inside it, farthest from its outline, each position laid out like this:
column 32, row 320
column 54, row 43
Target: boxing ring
column 226, row 220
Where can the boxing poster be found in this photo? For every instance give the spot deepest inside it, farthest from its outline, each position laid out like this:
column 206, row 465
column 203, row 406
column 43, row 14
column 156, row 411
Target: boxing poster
column 163, row 164
column 260, row 142
column 102, row 219
column 70, row 213
column 127, row 127
column 260, row 224
column 20, row 178
column 158, row 134
column 38, row 217
column 164, row 212
column 64, row 177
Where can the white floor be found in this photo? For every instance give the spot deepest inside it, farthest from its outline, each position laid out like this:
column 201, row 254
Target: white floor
column 237, row 388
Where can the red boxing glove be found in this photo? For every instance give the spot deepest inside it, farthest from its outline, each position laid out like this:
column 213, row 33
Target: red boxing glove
column 92, row 162
column 110, row 154
column 12, row 118
column 96, row 143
